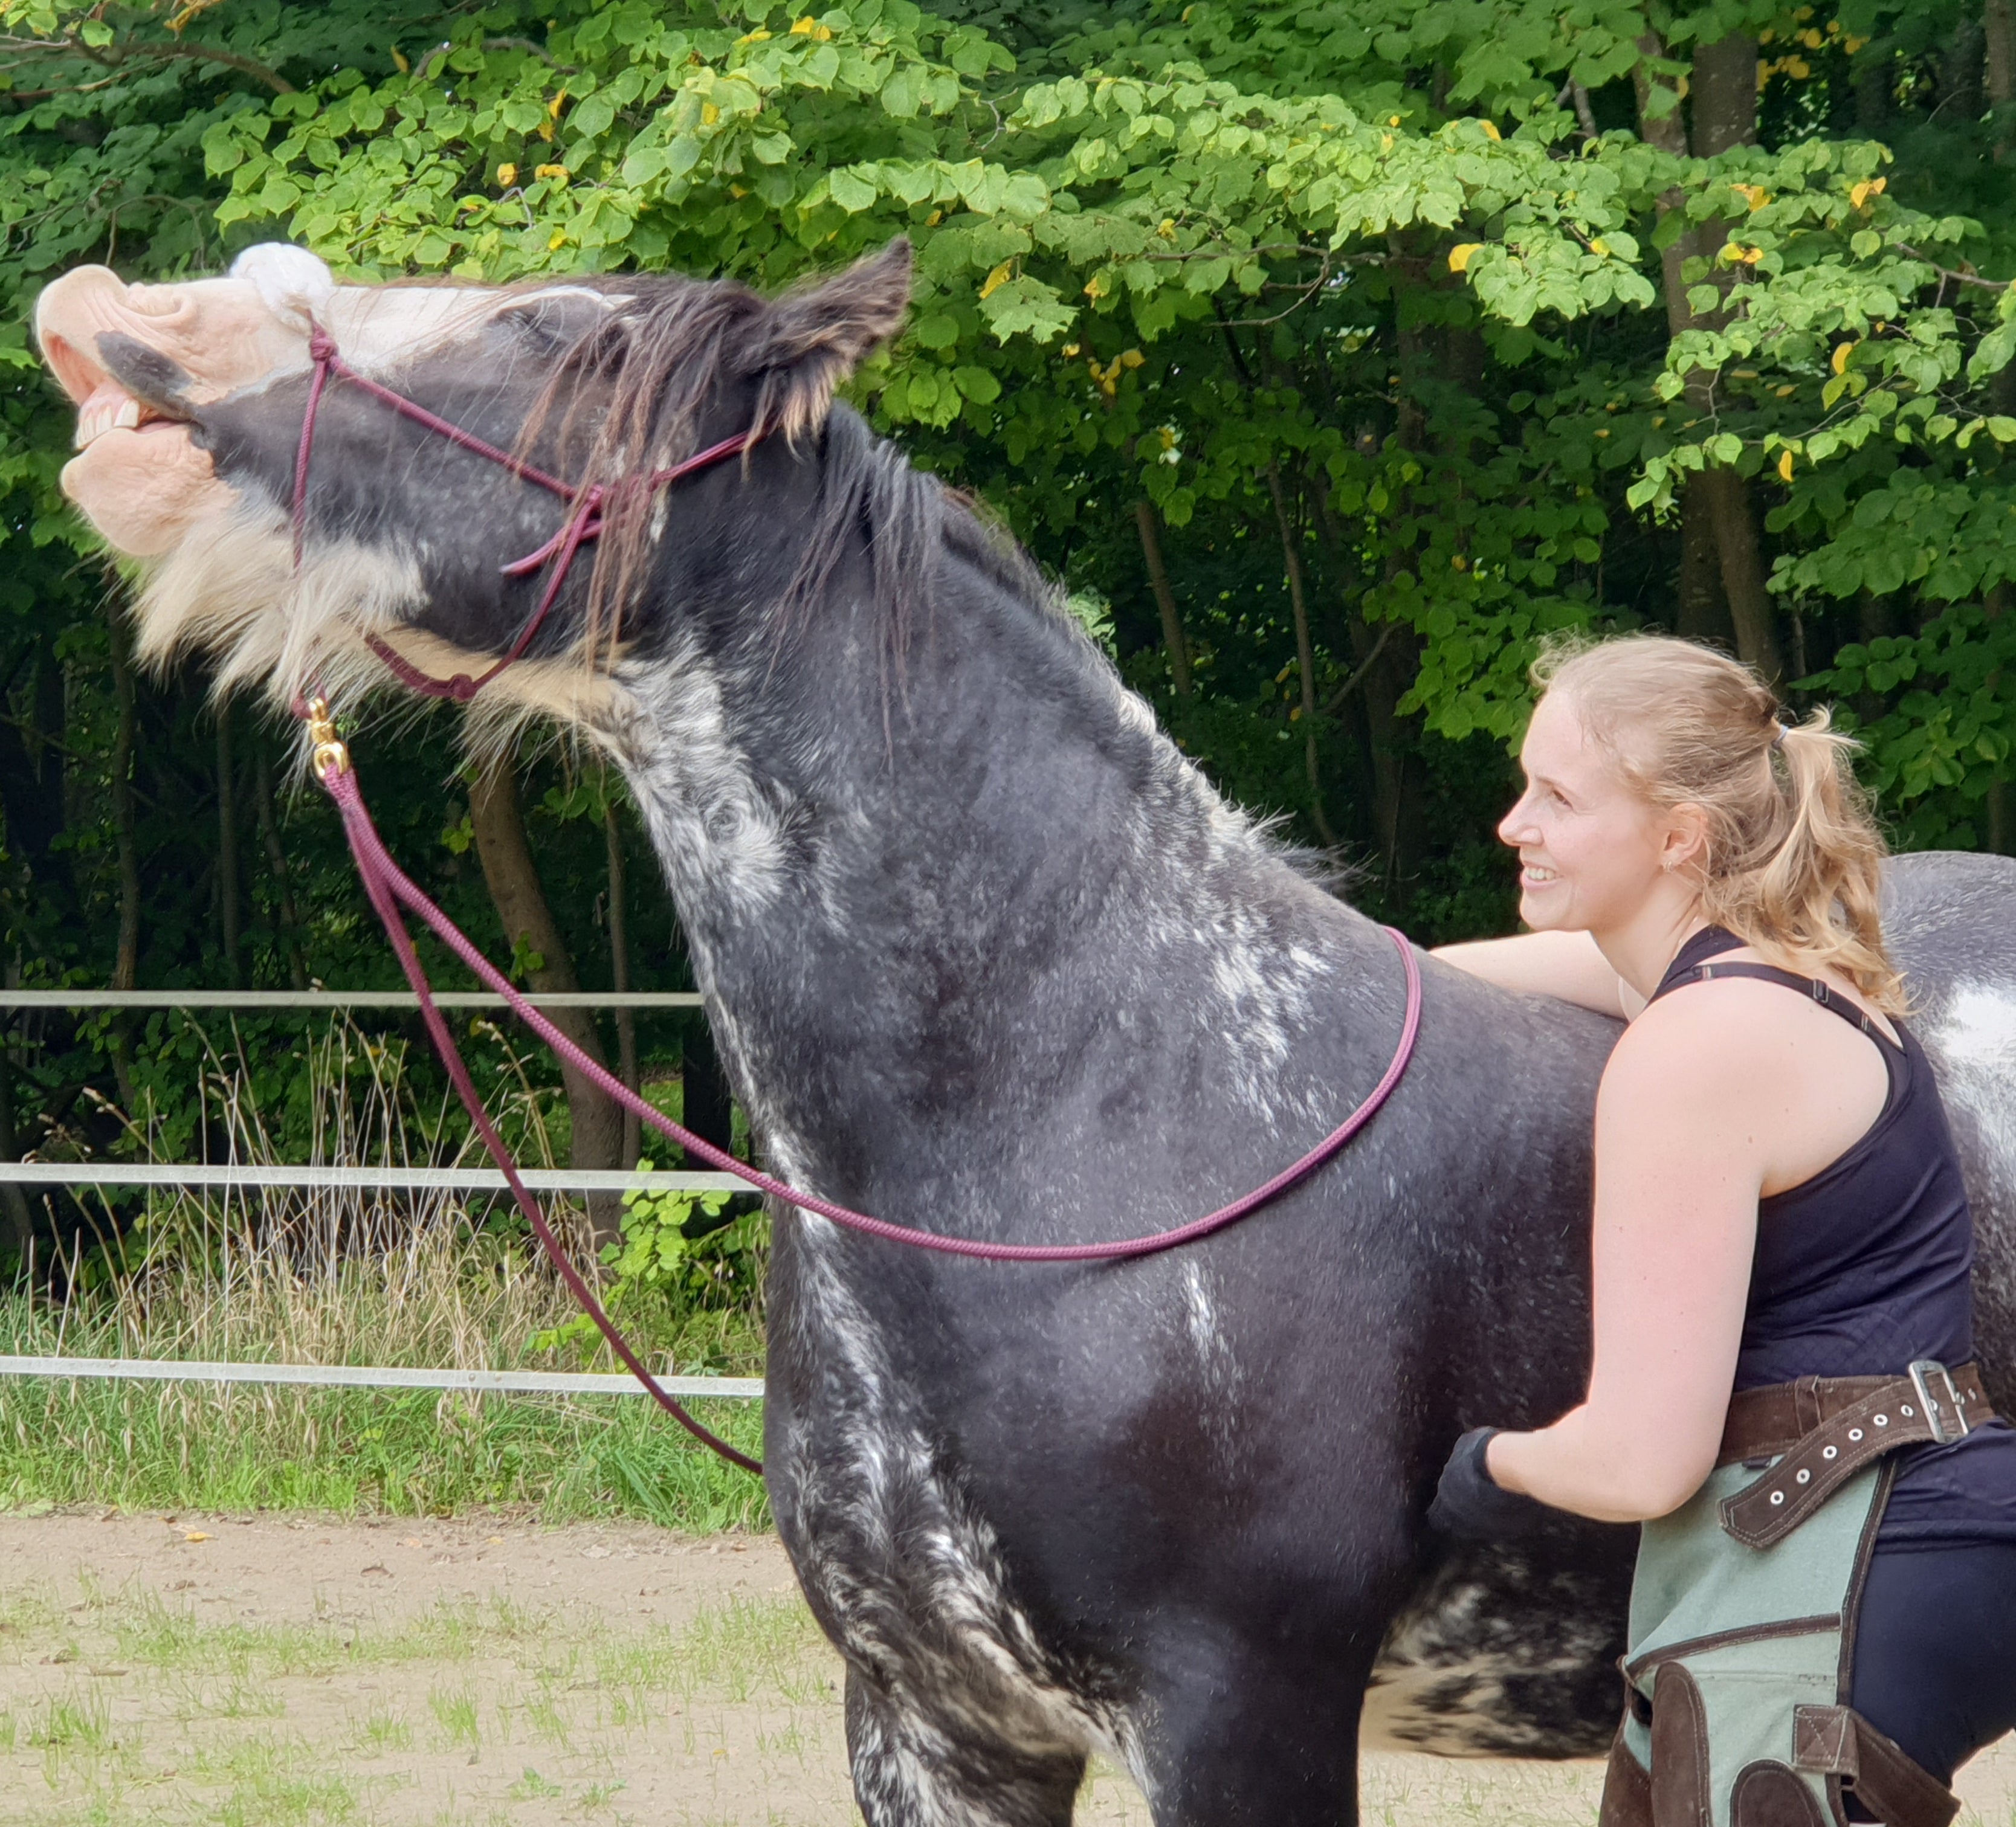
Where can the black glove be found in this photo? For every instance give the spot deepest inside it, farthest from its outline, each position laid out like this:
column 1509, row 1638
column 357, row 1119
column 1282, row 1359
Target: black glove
column 1473, row 1506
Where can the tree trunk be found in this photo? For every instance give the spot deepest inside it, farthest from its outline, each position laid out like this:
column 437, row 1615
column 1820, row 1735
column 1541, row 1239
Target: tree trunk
column 1727, row 497
column 1715, row 505
column 1306, row 656
column 1703, row 610
column 707, row 1099
column 528, row 924
column 1999, row 28
column 227, row 846
column 1723, row 94
column 126, row 963
column 276, row 861
column 619, row 975
column 1165, row 599
column 13, row 1196
column 1961, row 70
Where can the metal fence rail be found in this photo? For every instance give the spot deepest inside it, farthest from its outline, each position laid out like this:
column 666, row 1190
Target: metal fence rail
column 354, row 1376
column 326, row 1179
column 230, row 1175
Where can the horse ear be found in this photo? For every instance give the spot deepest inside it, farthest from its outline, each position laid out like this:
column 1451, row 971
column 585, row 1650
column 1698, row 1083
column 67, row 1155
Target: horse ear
column 819, row 336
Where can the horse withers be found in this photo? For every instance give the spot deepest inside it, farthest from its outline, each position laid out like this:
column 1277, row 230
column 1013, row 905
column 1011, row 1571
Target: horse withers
column 985, row 954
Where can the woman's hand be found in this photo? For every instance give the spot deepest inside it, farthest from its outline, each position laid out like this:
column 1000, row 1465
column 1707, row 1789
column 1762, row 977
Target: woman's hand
column 1472, row 1506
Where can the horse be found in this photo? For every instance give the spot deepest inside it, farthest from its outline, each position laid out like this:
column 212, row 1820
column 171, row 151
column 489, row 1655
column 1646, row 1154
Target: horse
column 985, row 954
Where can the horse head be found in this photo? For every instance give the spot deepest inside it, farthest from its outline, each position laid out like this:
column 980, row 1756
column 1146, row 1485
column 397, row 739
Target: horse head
column 191, row 399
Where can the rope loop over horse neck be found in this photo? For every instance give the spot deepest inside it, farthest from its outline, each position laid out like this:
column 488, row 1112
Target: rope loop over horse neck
column 585, row 505
column 393, row 894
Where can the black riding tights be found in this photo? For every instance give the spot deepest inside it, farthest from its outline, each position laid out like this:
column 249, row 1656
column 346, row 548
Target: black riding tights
column 1935, row 1652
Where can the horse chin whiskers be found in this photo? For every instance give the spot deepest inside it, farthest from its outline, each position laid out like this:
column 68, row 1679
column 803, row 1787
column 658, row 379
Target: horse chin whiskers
column 236, row 593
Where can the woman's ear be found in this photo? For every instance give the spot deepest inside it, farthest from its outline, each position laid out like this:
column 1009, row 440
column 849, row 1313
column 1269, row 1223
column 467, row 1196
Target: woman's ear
column 818, row 337
column 1685, row 845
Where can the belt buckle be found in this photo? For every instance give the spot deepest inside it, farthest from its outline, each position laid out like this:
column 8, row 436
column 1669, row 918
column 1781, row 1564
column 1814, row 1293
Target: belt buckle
column 1921, row 1373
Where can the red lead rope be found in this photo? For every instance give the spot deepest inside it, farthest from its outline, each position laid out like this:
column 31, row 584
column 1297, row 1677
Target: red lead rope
column 391, row 890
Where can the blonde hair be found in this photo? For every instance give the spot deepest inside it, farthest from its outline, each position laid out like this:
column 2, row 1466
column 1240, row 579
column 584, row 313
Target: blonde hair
column 1794, row 856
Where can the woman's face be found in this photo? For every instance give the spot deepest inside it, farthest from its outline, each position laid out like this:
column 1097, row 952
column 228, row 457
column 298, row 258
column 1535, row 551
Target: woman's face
column 1591, row 850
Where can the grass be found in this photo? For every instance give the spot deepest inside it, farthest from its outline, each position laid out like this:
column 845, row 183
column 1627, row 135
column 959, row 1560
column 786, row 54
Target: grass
column 444, row 1298
column 348, row 1276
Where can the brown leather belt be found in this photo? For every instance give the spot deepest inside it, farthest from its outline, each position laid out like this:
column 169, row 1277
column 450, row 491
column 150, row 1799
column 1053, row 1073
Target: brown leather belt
column 1828, row 1429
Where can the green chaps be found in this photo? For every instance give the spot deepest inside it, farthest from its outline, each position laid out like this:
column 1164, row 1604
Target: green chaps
column 1738, row 1677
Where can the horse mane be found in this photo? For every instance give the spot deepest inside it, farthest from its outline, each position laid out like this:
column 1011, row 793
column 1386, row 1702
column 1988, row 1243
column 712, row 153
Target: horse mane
column 659, row 364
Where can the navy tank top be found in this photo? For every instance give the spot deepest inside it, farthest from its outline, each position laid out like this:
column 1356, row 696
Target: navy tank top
column 1867, row 1266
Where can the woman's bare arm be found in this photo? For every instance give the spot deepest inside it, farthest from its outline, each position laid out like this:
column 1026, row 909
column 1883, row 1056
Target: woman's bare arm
column 1566, row 965
column 1691, row 1109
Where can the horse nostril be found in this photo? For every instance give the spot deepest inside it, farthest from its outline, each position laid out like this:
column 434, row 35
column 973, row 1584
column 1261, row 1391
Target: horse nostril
column 154, row 300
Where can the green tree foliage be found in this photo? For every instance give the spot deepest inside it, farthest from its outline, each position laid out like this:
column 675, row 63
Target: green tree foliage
column 1344, row 349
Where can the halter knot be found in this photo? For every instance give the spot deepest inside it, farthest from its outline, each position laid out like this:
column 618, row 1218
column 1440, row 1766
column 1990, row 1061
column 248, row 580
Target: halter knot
column 322, row 345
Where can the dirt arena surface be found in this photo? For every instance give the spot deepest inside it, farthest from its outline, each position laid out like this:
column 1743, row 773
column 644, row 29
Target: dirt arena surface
column 292, row 1672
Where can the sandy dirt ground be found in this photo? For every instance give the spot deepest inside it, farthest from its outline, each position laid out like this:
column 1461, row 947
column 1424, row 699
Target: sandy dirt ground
column 296, row 1672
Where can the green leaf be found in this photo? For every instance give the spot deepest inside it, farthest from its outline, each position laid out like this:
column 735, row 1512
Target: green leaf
column 851, row 192
column 903, row 93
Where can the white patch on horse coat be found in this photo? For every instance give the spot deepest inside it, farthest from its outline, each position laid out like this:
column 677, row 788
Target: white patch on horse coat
column 235, row 591
column 1213, row 1350
column 716, row 831
column 1975, row 1040
column 1439, row 1684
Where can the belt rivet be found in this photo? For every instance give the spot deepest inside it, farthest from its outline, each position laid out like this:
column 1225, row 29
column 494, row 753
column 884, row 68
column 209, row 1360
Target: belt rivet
column 1777, row 1497
column 1883, row 1421
column 1907, row 1411
column 1805, row 1477
column 1831, row 1453
column 1855, row 1433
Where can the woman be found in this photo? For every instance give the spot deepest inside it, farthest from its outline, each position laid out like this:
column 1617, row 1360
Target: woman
column 1776, row 1198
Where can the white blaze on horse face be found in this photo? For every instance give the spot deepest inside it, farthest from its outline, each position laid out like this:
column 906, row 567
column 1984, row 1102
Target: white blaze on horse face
column 138, row 476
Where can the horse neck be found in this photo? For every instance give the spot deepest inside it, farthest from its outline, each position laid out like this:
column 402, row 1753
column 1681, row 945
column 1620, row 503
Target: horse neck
column 887, row 857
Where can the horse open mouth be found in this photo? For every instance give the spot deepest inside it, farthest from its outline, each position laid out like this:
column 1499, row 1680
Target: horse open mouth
column 138, row 473
column 104, row 404
column 109, row 407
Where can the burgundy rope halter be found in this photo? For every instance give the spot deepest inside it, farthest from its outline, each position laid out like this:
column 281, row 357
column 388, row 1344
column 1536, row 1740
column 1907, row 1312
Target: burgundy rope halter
column 393, row 894
column 583, row 520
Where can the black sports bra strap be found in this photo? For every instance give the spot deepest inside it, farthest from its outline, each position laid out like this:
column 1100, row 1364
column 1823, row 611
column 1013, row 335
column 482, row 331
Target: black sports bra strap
column 1770, row 973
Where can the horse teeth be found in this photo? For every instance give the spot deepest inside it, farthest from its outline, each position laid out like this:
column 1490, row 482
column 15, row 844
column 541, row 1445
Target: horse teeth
column 128, row 415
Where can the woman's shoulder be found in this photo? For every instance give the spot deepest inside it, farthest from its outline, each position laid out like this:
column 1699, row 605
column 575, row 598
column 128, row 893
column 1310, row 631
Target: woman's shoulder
column 1709, row 990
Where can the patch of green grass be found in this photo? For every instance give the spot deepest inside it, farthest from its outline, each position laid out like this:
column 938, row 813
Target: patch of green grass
column 79, row 1721
column 543, row 1716
column 742, row 1648
column 455, row 1713
column 142, row 1446
column 381, row 1733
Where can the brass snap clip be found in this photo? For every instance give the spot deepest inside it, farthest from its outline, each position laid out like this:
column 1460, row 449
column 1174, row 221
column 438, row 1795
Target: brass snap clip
column 330, row 756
